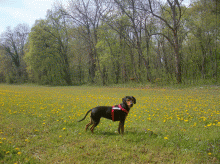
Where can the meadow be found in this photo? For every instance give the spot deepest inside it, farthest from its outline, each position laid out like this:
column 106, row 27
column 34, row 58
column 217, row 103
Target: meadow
column 38, row 124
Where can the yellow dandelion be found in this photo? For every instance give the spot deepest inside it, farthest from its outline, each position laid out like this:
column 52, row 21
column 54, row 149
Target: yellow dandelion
column 166, row 138
column 60, row 136
column 19, row 153
column 209, row 124
column 209, row 153
column 64, row 128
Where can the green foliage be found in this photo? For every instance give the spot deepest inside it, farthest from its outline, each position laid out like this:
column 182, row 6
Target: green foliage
column 43, row 58
column 127, row 45
column 12, row 43
column 202, row 47
column 47, row 55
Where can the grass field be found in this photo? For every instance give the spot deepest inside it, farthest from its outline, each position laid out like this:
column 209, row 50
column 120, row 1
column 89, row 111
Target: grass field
column 39, row 125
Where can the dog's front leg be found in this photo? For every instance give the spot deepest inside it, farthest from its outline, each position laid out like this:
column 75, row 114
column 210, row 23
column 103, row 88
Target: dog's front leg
column 121, row 127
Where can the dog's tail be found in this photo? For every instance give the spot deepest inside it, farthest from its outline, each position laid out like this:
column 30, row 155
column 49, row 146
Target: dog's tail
column 85, row 115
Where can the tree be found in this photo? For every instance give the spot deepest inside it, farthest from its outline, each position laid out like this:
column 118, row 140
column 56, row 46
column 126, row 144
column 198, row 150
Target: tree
column 130, row 9
column 59, row 30
column 47, row 57
column 203, row 28
column 85, row 16
column 13, row 42
column 174, row 9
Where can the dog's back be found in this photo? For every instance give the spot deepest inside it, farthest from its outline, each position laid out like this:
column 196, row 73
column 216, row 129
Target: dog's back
column 101, row 111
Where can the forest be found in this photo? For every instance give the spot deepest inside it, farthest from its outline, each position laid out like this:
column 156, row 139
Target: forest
column 107, row 42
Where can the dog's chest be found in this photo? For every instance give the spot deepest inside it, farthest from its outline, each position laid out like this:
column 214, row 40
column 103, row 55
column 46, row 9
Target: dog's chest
column 118, row 113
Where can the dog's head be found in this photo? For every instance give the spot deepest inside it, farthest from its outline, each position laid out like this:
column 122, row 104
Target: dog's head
column 129, row 101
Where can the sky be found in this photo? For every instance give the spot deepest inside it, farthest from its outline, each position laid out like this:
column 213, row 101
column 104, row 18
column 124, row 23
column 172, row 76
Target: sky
column 14, row 12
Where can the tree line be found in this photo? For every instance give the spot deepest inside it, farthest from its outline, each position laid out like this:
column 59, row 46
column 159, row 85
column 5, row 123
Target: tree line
column 116, row 41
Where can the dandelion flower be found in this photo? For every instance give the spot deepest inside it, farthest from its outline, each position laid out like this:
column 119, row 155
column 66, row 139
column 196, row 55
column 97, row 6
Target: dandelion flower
column 209, row 124
column 166, row 138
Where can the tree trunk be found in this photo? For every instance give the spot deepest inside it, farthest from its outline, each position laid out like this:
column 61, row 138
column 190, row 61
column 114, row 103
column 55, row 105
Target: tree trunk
column 178, row 59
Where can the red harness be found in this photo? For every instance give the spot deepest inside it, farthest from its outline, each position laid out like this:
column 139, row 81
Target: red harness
column 119, row 106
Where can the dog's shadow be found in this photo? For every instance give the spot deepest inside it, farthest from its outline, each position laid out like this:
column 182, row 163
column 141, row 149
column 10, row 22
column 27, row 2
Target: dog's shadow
column 135, row 134
column 107, row 133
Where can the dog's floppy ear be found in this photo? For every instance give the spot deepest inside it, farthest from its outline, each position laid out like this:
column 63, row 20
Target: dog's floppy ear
column 134, row 99
column 124, row 100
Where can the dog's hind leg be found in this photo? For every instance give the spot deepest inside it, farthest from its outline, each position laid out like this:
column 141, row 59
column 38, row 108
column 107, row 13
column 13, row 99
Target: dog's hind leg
column 90, row 123
column 95, row 123
column 92, row 128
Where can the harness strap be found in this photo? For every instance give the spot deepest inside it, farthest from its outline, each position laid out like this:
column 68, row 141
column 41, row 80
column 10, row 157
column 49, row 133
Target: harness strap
column 113, row 117
column 118, row 108
column 123, row 109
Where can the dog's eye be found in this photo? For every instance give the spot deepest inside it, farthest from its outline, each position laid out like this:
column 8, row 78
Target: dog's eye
column 130, row 101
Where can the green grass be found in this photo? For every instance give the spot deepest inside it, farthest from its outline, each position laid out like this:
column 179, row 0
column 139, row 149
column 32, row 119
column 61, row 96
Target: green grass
column 39, row 125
